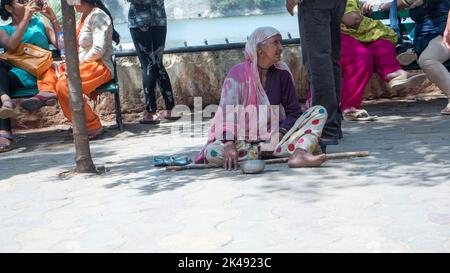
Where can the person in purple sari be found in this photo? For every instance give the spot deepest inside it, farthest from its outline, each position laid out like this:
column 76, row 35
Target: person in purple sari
column 259, row 111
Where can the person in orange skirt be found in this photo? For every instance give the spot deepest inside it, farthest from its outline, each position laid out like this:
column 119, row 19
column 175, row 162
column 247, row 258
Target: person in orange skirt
column 95, row 33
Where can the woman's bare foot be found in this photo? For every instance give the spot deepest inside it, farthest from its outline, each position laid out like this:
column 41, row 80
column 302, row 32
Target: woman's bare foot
column 302, row 159
column 44, row 98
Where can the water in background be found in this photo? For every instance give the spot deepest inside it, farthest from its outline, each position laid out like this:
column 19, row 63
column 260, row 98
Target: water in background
column 215, row 30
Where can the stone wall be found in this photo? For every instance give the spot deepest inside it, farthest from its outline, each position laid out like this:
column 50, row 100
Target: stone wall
column 193, row 75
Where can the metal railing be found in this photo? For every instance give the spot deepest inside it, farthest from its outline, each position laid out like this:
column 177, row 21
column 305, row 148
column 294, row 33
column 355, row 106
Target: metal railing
column 202, row 48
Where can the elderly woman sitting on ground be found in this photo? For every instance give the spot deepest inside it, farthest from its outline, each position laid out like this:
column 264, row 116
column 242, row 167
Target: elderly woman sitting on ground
column 259, row 105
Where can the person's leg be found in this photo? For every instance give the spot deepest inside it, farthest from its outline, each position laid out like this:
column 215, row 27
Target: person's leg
column 5, row 123
column 388, row 67
column 143, row 42
column 47, row 82
column 8, row 83
column 315, row 30
column 4, row 81
column 431, row 61
column 336, row 19
column 62, row 91
column 47, row 92
column 92, row 75
column 5, row 135
column 384, row 58
column 159, row 40
column 301, row 141
column 357, row 69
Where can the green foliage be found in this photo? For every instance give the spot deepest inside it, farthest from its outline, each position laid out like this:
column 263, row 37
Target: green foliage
column 224, row 5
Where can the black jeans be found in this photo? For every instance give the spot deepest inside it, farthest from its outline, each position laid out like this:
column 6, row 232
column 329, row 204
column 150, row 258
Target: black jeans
column 149, row 44
column 8, row 82
column 320, row 38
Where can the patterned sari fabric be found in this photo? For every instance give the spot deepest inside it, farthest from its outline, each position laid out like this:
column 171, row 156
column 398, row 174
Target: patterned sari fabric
column 242, row 88
column 304, row 135
column 245, row 114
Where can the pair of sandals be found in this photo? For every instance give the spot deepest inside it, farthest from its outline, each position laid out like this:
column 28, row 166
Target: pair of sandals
column 353, row 114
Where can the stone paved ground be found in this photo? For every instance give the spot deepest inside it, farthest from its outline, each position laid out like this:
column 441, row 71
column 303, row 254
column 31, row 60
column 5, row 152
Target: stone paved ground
column 396, row 200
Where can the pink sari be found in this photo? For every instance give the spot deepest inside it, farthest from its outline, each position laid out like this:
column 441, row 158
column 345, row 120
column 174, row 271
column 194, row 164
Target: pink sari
column 242, row 88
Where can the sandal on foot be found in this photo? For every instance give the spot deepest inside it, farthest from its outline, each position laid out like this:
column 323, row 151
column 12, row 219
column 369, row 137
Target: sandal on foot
column 446, row 111
column 37, row 102
column 353, row 114
column 168, row 116
column 6, row 147
column 147, row 120
column 406, row 80
column 96, row 134
column 7, row 110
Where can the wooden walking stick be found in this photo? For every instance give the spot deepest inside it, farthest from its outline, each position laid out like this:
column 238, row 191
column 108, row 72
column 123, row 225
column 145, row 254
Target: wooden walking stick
column 269, row 161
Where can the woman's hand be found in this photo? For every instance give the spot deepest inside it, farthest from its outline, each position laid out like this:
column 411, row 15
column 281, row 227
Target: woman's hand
column 230, row 156
column 30, row 10
column 48, row 12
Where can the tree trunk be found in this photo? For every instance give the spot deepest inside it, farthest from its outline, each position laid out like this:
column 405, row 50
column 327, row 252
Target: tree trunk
column 83, row 157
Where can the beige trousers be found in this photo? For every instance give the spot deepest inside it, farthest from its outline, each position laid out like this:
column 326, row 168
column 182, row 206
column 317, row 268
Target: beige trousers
column 431, row 61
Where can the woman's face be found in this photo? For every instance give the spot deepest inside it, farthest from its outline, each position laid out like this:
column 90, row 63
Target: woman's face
column 17, row 7
column 82, row 7
column 271, row 49
column 79, row 8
